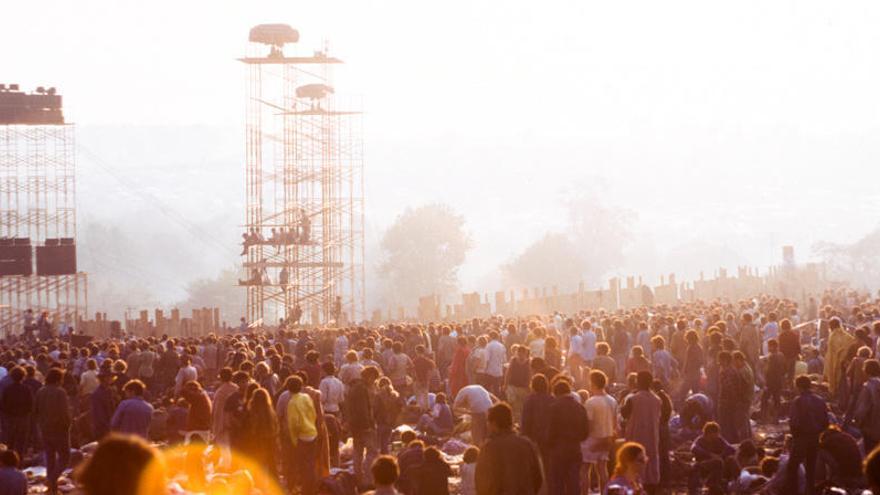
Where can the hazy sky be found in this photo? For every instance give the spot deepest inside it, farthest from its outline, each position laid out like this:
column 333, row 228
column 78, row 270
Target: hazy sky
column 740, row 126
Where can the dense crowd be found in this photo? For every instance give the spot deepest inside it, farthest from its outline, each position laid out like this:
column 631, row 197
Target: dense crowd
column 551, row 404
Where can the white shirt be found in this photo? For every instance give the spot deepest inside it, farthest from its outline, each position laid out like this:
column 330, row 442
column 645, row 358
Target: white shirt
column 496, row 356
column 473, row 398
column 601, row 414
column 588, row 345
column 332, row 393
column 536, row 347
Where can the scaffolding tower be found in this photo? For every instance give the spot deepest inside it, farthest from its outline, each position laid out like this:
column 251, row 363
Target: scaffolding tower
column 303, row 240
column 37, row 206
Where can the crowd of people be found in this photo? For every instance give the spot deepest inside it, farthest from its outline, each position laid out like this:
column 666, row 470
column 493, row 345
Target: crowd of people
column 595, row 401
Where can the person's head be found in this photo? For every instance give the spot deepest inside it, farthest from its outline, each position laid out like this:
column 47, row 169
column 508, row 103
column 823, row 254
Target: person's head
column 772, row 345
column 834, row 323
column 864, row 352
column 803, row 383
column 561, row 388
column 871, row 367
column 134, row 388
column 711, row 430
column 432, row 455
column 631, row 458
column 226, row 374
column 385, row 471
column 123, row 464
column 471, row 454
column 328, row 368
column 691, row 337
column 17, row 374
column 241, row 378
column 725, row 359
column 598, row 380
column 602, row 349
column 9, row 458
column 644, row 379
column 637, row 351
column 658, row 342
column 370, row 374
column 500, row 417
column 54, row 376
column 539, row 384
column 407, row 437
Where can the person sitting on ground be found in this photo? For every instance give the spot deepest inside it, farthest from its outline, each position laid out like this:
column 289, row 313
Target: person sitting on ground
column 713, row 460
column 627, row 478
column 432, row 476
column 411, row 456
column 385, row 473
column 12, row 480
column 439, row 421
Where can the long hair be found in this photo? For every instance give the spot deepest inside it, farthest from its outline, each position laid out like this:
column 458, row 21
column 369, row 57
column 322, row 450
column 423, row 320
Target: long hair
column 260, row 411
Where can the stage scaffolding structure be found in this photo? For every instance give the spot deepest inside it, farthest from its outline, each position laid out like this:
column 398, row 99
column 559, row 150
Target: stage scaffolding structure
column 303, row 240
column 38, row 202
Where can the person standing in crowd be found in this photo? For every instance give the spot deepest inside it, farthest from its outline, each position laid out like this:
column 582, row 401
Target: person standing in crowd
column 458, row 369
column 332, row 389
column 839, row 342
column 508, row 462
column 641, row 410
column 134, row 414
column 423, row 366
column 219, row 421
column 601, row 411
column 102, row 404
column 53, row 418
column 496, row 356
column 262, row 426
column 692, row 366
column 516, row 381
column 774, row 379
column 567, row 429
column 790, row 347
column 534, row 413
column 808, row 419
column 360, row 406
column 730, row 392
column 867, row 410
column 17, row 406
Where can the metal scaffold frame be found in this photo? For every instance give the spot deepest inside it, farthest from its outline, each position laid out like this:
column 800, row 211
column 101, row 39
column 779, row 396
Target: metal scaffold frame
column 304, row 185
column 38, row 201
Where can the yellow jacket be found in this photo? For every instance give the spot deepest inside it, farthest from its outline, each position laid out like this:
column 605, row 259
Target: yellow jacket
column 301, row 418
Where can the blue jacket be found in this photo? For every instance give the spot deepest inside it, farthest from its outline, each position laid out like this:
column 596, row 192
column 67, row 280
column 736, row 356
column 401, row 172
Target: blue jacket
column 133, row 416
column 809, row 415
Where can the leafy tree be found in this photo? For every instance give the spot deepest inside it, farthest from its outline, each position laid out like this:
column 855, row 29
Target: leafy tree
column 221, row 292
column 857, row 263
column 422, row 252
column 552, row 260
column 601, row 233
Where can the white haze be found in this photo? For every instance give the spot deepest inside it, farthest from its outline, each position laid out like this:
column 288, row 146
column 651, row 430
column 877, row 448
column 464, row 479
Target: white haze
column 728, row 128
